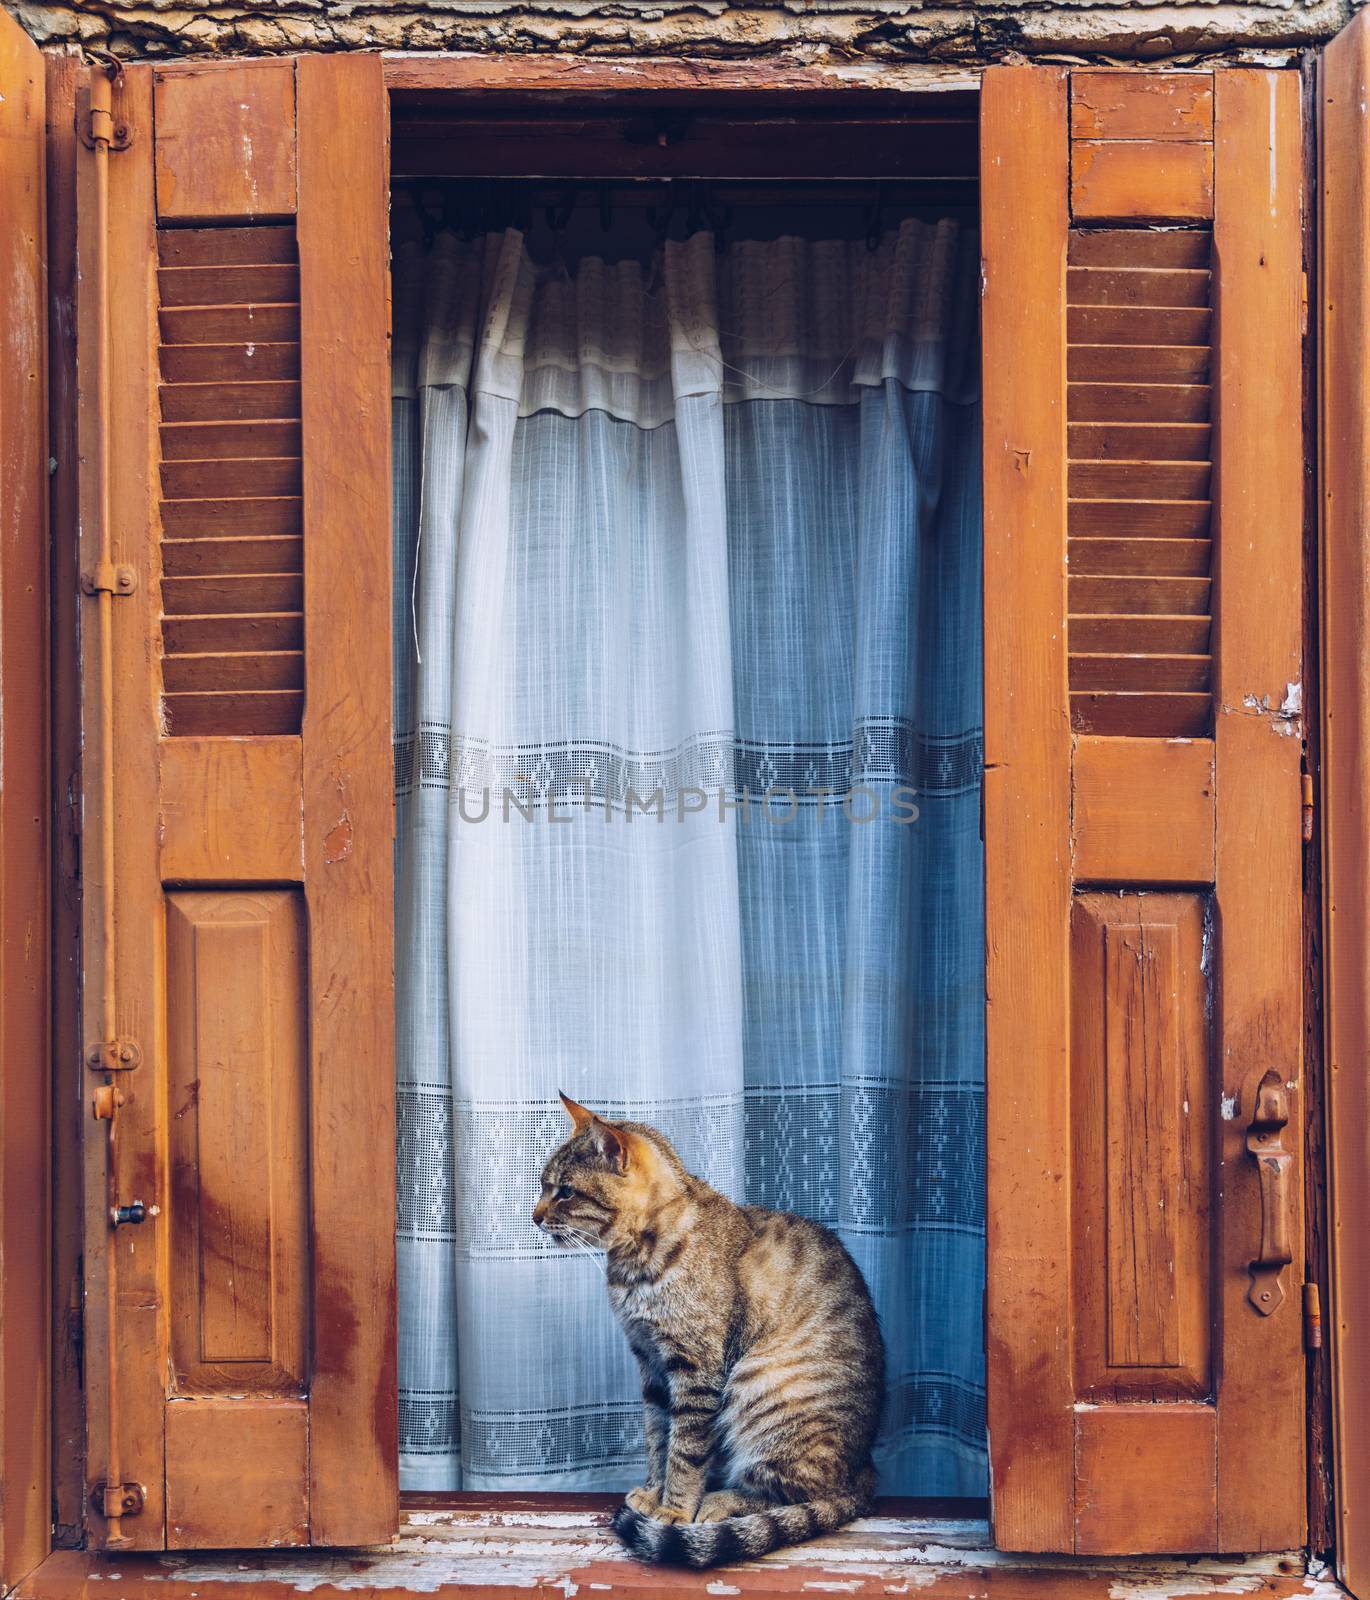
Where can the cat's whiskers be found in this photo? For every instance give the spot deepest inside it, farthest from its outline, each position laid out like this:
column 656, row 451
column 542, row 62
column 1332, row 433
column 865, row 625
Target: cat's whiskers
column 582, row 1243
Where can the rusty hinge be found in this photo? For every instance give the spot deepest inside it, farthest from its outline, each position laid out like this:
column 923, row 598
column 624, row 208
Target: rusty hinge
column 114, row 1055
column 98, row 125
column 118, row 1499
column 1307, row 807
column 106, row 578
column 1312, row 1317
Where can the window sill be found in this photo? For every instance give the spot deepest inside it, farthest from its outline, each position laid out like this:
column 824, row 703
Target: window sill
column 483, row 1551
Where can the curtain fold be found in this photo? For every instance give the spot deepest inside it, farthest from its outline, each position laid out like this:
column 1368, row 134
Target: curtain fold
column 668, row 541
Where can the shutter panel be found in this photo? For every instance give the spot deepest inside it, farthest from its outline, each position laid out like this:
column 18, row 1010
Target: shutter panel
column 1143, row 526
column 237, row 921
column 1344, row 422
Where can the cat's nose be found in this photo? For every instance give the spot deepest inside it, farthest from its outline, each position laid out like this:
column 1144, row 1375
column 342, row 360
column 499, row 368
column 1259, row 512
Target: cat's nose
column 540, row 1211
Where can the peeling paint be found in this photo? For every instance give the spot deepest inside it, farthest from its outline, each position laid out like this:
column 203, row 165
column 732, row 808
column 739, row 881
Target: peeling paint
column 337, row 842
column 1227, row 1108
column 1285, row 719
column 808, row 32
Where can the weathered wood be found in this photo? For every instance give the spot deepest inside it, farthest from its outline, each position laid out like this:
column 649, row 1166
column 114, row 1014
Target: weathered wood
column 1024, row 140
column 1156, row 715
column 1088, row 323
column 1139, row 634
column 225, row 141
column 564, row 1546
column 1139, row 181
column 1139, row 596
column 222, row 816
column 25, row 1422
column 64, row 72
column 1135, row 480
column 235, row 284
column 348, row 794
column 1141, row 105
column 1116, row 286
column 1119, row 1506
column 1139, row 247
column 256, row 1297
column 414, row 78
column 1138, row 674
column 1143, row 812
column 1140, row 519
column 140, row 1351
column 1174, row 558
column 232, row 363
column 1155, row 363
column 1142, row 1168
column 237, row 1473
column 205, row 247
column 1259, row 514
column 1133, row 402
column 1344, row 338
column 236, row 1086
column 240, row 712
column 1114, row 439
column 200, row 557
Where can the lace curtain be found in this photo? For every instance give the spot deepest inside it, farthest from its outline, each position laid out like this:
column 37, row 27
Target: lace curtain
column 687, row 714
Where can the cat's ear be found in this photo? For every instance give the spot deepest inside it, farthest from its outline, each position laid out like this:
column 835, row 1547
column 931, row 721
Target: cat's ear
column 611, row 1142
column 580, row 1117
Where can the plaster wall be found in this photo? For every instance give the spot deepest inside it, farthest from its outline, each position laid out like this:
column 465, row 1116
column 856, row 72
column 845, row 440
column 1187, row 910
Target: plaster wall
column 834, row 32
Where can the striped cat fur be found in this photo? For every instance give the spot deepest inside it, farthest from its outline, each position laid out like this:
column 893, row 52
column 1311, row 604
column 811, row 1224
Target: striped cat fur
column 762, row 1365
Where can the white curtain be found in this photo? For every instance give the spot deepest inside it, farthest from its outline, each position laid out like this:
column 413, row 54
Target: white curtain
column 669, row 540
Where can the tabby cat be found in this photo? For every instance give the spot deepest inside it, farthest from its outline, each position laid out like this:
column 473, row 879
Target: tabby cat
column 763, row 1369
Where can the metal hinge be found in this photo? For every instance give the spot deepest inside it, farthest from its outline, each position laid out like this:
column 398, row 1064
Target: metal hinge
column 106, row 578
column 97, row 125
column 1312, row 1317
column 118, row 1499
column 114, row 1055
column 1307, row 807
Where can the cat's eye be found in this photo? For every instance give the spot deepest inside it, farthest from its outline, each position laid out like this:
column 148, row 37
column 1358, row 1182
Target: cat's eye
column 563, row 1191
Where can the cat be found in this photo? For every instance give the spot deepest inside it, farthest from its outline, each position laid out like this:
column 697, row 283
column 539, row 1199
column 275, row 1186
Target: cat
column 762, row 1364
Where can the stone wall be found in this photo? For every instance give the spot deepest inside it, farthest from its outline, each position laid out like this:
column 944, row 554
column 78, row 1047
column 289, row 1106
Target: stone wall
column 814, row 31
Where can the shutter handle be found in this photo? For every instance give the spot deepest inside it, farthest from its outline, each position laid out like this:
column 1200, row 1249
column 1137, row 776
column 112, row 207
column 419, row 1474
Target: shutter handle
column 1275, row 1165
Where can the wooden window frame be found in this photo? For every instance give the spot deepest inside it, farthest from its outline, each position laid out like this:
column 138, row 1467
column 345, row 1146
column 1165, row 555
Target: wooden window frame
column 41, row 1350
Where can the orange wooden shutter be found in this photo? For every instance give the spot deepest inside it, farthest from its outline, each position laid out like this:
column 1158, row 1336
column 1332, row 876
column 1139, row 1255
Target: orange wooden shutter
column 237, row 923
column 1143, row 521
column 1344, row 421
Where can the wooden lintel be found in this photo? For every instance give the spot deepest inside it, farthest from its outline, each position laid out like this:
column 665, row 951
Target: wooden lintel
column 578, row 75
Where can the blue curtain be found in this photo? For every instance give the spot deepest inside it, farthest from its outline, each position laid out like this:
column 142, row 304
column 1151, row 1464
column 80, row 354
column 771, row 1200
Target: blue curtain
column 691, row 558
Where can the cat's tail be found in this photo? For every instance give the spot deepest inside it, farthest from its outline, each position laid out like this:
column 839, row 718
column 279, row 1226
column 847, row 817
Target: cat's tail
column 713, row 1544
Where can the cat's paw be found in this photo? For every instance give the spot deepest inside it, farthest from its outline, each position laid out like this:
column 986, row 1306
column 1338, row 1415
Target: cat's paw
column 720, row 1505
column 644, row 1499
column 670, row 1514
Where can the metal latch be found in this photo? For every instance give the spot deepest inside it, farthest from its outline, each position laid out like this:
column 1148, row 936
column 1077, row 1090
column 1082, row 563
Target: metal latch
column 1269, row 1101
column 118, row 1499
column 106, row 578
column 114, row 1055
column 121, row 1216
